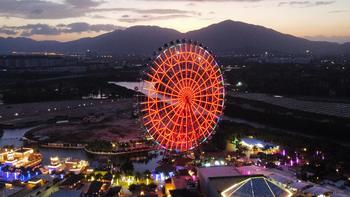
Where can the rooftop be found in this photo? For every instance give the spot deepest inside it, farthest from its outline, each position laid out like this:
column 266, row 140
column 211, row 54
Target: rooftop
column 256, row 142
column 217, row 171
column 95, row 187
column 246, row 186
column 183, row 193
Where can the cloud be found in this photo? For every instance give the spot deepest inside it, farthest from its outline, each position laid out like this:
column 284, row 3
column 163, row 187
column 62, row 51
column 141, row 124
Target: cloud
column 147, row 11
column 339, row 11
column 44, row 9
column 7, row 31
column 84, row 3
column 338, row 39
column 44, row 29
column 151, row 18
column 37, row 29
column 85, row 27
column 305, row 3
column 208, row 0
column 39, row 9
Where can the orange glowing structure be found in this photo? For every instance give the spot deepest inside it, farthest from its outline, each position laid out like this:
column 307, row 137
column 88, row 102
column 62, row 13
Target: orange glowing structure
column 184, row 96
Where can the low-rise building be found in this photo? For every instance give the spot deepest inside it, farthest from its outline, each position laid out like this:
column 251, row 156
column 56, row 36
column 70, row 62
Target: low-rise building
column 19, row 157
column 256, row 146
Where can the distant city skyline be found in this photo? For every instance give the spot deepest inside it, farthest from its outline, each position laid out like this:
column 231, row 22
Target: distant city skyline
column 66, row 20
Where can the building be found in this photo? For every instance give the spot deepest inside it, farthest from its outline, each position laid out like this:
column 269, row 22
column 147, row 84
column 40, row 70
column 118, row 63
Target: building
column 334, row 179
column 94, row 189
column 68, row 164
column 184, row 192
column 256, row 146
column 43, row 62
column 228, row 181
column 35, row 182
column 76, row 166
column 20, row 157
column 55, row 165
column 72, row 182
column 205, row 173
column 187, row 183
column 18, row 164
column 255, row 185
column 31, row 60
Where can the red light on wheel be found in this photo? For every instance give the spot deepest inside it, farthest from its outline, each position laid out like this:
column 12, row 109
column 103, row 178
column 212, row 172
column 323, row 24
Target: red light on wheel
column 185, row 96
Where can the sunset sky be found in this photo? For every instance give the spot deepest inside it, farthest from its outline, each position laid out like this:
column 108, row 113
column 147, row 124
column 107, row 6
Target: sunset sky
column 71, row 19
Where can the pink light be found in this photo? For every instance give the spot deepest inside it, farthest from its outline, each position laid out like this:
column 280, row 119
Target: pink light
column 291, row 163
column 284, row 152
column 297, row 160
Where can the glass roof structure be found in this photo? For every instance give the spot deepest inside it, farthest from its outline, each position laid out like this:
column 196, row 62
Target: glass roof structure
column 255, row 187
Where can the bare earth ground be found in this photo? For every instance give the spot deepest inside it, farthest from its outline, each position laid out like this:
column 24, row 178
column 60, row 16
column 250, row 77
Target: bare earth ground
column 109, row 120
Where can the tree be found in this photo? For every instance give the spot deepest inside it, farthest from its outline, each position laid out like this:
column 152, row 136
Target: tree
column 147, row 173
column 127, row 168
column 138, row 175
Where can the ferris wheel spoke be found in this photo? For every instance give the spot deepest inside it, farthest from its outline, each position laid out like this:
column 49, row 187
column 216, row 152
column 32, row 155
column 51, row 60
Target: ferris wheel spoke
column 212, row 75
column 156, row 80
column 178, row 62
column 204, row 122
column 161, row 93
column 159, row 101
column 210, row 103
column 204, row 83
column 194, row 118
column 165, row 73
column 157, row 111
column 201, row 76
column 170, row 64
column 161, row 78
column 206, row 110
column 176, row 110
column 214, row 85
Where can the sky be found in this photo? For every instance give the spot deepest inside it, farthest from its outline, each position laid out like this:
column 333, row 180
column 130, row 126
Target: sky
column 66, row 20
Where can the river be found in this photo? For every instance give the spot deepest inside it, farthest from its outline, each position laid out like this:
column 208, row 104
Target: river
column 13, row 137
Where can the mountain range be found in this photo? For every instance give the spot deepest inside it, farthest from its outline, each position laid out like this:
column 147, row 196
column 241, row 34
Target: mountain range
column 227, row 37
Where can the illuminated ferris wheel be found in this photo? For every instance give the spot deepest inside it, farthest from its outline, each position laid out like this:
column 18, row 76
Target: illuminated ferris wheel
column 184, row 96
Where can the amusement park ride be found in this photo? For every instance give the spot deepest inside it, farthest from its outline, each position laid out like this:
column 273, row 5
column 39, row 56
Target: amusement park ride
column 183, row 96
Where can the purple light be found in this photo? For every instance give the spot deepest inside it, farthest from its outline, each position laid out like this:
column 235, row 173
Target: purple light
column 284, row 152
column 297, row 160
column 291, row 163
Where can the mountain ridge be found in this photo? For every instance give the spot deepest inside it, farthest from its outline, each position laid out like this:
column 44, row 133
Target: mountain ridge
column 226, row 37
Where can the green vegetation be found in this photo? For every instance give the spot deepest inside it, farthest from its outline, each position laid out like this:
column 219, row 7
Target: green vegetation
column 128, row 168
column 100, row 146
column 142, row 187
